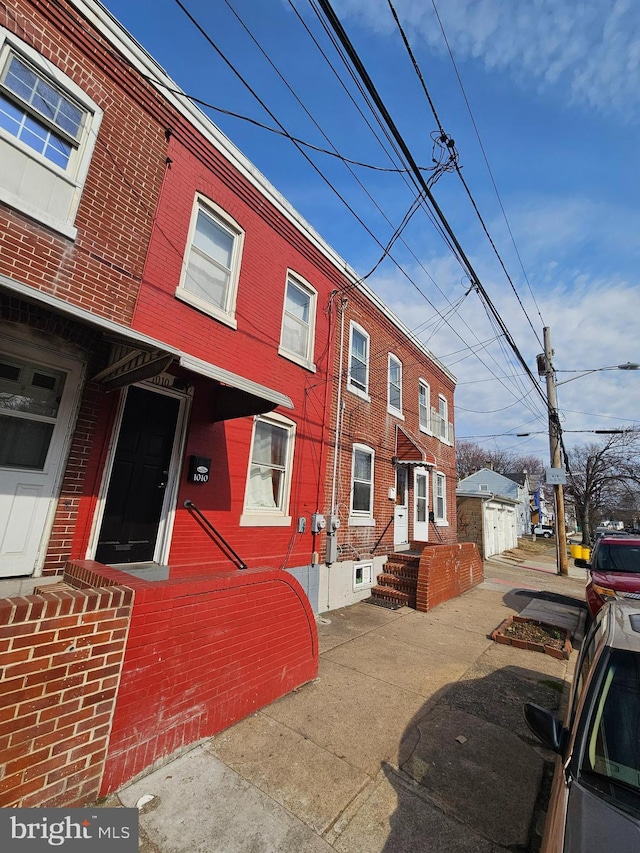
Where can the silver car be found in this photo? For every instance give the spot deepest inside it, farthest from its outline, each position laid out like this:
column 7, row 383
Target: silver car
column 595, row 798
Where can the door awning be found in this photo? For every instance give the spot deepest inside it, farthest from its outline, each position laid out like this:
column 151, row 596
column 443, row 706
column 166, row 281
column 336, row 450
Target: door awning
column 135, row 356
column 409, row 451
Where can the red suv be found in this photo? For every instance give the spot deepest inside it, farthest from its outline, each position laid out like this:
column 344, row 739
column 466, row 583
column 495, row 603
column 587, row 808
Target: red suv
column 614, row 570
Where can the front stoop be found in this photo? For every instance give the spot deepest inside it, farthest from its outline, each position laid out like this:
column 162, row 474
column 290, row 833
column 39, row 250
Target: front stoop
column 397, row 585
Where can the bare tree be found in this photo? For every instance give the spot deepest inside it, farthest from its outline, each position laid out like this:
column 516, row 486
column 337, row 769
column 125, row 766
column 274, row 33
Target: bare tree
column 471, row 457
column 604, row 478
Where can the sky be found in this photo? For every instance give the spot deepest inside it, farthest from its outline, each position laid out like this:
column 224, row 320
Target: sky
column 542, row 101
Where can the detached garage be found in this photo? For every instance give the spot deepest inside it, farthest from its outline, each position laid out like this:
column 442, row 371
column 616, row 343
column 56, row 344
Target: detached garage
column 489, row 521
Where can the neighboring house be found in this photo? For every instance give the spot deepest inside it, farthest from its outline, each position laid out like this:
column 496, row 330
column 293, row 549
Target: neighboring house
column 513, row 486
column 391, row 467
column 488, row 520
column 523, row 496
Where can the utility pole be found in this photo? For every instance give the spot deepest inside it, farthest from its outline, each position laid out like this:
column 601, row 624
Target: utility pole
column 556, row 458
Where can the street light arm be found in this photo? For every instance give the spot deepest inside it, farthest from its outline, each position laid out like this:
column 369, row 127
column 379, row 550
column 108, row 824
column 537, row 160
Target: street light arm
column 630, row 365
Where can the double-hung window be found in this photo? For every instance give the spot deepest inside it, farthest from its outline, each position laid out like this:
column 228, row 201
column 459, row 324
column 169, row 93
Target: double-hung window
column 423, row 406
column 358, row 361
column 298, row 321
column 38, row 113
column 394, row 391
column 48, row 127
column 268, row 486
column 362, row 485
column 212, row 262
column 440, row 498
column 443, row 417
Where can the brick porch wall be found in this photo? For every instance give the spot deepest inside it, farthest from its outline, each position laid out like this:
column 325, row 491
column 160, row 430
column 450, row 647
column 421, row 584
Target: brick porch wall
column 203, row 653
column 447, row 571
column 61, row 655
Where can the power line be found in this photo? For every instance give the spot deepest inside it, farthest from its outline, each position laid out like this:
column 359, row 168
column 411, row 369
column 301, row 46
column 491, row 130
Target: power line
column 446, row 139
column 486, row 159
column 357, row 62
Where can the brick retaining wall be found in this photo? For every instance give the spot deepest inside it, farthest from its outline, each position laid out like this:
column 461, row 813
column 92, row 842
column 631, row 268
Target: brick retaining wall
column 447, row 571
column 61, row 655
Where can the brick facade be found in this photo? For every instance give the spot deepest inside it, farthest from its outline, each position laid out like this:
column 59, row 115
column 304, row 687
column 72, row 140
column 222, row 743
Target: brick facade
column 61, row 656
column 446, row 572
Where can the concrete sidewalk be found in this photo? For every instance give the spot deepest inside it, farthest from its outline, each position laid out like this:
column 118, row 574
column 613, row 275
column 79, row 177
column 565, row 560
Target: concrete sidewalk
column 412, row 738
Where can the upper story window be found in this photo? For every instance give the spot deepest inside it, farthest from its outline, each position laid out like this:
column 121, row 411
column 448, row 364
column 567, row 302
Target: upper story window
column 423, row 406
column 48, row 127
column 443, row 413
column 358, row 361
column 394, row 396
column 268, row 486
column 298, row 321
column 37, row 113
column 212, row 262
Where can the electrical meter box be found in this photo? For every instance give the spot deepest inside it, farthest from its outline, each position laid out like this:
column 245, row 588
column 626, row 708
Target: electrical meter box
column 318, row 522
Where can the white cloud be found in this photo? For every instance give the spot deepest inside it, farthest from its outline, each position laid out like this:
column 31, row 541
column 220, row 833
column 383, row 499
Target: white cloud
column 590, row 49
column 594, row 323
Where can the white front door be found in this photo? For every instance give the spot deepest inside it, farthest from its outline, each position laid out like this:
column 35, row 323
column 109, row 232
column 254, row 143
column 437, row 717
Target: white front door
column 420, row 505
column 38, row 392
column 401, row 512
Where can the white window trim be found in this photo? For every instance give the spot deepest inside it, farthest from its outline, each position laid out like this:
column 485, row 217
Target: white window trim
column 276, row 517
column 390, row 408
column 440, row 522
column 443, row 422
column 426, row 429
column 365, row 584
column 362, row 518
column 355, row 389
column 228, row 223
column 303, row 285
column 75, row 174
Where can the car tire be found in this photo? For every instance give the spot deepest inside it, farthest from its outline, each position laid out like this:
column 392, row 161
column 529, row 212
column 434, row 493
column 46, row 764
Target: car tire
column 546, row 534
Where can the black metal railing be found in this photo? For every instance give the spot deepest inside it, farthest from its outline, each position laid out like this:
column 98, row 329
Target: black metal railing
column 382, row 534
column 214, row 535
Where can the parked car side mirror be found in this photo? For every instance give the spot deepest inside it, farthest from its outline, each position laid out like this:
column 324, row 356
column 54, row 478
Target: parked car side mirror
column 546, row 727
column 582, row 564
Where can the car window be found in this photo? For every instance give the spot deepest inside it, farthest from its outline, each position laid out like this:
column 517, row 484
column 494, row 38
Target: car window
column 587, row 655
column 611, row 759
column 618, row 558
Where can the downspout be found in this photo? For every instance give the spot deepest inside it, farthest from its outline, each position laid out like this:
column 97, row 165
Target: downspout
column 338, row 434
column 336, row 451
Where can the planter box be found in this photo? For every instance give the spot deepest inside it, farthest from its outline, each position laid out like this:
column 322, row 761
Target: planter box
column 500, row 636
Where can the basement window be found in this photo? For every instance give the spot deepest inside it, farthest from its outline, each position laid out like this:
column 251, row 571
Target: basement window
column 362, row 576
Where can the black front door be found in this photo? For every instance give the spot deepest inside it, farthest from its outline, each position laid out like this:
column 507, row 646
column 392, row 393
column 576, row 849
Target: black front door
column 138, row 479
